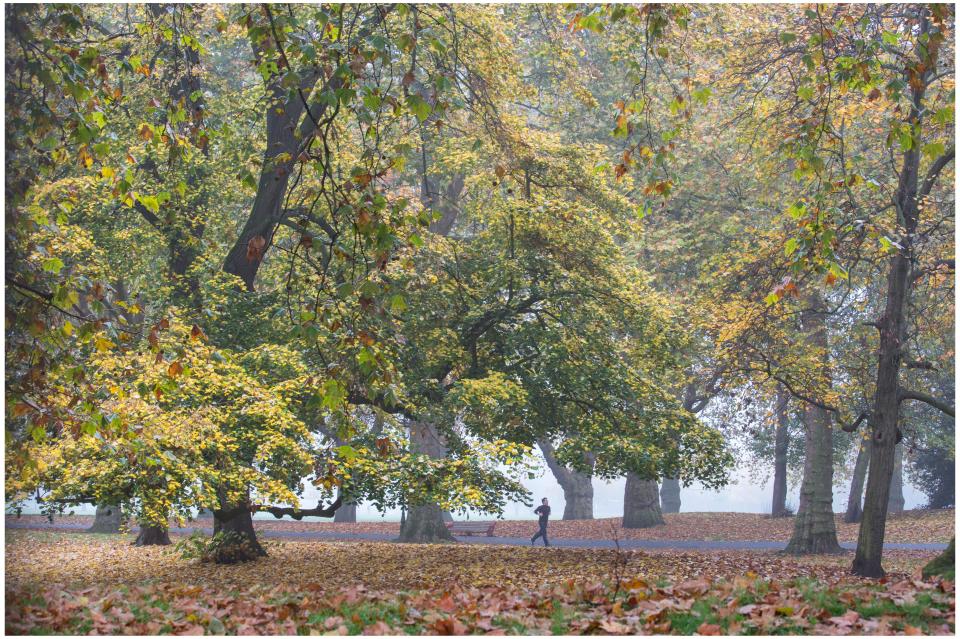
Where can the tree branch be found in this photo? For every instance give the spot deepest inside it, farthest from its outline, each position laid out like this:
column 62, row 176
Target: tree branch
column 927, row 399
column 300, row 513
column 934, row 172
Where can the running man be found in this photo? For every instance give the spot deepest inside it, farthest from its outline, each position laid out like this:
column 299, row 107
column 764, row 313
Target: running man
column 544, row 511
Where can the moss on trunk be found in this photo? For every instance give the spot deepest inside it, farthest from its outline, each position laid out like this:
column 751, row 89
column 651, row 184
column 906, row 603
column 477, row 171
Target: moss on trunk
column 943, row 565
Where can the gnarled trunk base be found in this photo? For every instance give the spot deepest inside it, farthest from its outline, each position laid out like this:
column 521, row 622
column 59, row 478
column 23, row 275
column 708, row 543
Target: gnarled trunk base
column 152, row 536
column 239, row 541
column 424, row 525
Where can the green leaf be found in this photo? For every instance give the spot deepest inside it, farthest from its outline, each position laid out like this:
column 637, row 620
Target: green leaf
column 53, row 265
column 790, row 247
column 934, row 150
column 786, row 37
column 150, row 203
column 418, row 106
column 334, row 393
column 397, row 304
column 839, row 271
column 347, row 452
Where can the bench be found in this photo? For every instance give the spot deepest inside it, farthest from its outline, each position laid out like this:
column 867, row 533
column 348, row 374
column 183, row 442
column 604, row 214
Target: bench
column 471, row 527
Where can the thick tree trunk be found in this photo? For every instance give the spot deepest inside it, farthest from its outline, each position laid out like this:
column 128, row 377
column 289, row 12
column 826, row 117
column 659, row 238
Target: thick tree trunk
column 670, row 495
column 424, row 523
column 578, row 497
column 346, row 514
column 107, row 520
column 240, row 543
column 577, row 487
column 896, row 501
column 815, row 530
column 781, row 443
column 855, row 501
column 641, row 503
column 152, row 536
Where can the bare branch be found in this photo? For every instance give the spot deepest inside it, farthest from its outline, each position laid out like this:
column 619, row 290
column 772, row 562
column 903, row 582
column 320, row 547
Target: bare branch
column 927, row 399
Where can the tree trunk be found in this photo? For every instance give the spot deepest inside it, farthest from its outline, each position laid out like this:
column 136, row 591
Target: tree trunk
column 286, row 129
column 896, row 501
column 107, row 520
column 782, row 441
column 578, row 497
column 234, row 523
column 641, row 503
column 425, row 525
column 855, row 500
column 346, row 514
column 883, row 423
column 577, row 487
column 943, row 565
column 424, row 522
column 885, row 417
column 152, row 536
column 670, row 495
column 815, row 530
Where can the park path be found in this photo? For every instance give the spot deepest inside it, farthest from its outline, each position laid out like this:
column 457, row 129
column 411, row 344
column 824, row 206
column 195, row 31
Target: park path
column 626, row 544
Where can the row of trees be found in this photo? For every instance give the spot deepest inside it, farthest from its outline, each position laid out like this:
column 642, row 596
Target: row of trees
column 388, row 249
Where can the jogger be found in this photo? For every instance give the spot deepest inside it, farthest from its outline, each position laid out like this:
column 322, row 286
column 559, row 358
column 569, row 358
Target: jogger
column 544, row 511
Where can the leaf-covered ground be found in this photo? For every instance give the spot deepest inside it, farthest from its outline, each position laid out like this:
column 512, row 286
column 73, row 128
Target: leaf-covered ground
column 75, row 583
column 914, row 526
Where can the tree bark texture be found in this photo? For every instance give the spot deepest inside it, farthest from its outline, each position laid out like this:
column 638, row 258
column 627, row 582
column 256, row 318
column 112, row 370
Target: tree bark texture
column 781, row 443
column 885, row 416
column 855, row 501
column 641, row 503
column 577, row 487
column 152, row 536
column 240, row 543
column 896, row 501
column 346, row 514
column 424, row 522
column 107, row 520
column 815, row 529
column 670, row 495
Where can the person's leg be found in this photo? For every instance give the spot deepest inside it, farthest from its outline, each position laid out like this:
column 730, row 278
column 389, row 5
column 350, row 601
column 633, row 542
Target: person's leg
column 534, row 538
column 543, row 533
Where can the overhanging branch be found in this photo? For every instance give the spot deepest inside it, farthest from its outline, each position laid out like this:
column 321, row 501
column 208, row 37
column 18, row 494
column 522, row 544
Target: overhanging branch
column 300, row 513
column 939, row 404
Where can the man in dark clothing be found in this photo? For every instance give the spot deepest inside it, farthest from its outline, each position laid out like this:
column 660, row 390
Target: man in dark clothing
column 544, row 511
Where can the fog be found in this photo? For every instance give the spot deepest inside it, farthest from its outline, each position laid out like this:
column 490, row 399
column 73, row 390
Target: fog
column 743, row 494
